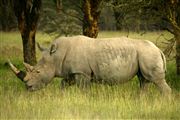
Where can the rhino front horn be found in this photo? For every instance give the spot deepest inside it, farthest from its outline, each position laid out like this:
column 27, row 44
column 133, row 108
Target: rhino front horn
column 18, row 73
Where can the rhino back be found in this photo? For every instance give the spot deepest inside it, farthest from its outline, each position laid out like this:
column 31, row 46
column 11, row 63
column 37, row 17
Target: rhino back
column 114, row 60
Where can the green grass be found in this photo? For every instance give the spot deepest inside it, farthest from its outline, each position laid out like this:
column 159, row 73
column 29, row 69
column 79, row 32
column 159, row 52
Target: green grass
column 99, row 102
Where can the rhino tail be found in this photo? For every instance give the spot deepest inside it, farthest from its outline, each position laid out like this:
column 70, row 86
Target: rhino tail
column 164, row 60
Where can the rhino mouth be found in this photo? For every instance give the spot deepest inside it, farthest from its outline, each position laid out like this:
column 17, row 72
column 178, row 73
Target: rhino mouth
column 34, row 87
column 30, row 88
column 21, row 75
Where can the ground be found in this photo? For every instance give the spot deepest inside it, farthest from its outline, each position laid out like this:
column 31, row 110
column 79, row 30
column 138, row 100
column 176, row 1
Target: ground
column 99, row 102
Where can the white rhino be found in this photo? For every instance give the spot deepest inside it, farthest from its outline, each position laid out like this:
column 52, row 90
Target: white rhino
column 81, row 60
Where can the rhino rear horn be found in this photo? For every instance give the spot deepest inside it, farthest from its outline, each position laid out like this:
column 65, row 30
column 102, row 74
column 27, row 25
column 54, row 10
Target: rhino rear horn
column 20, row 74
column 28, row 67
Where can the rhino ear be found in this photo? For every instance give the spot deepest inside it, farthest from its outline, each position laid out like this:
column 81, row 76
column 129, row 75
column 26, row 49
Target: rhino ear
column 53, row 48
column 28, row 67
column 41, row 48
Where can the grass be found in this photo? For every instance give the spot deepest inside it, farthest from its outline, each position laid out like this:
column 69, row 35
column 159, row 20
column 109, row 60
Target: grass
column 99, row 102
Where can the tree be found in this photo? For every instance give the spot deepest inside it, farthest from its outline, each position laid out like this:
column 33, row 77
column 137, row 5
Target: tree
column 91, row 10
column 172, row 10
column 120, row 10
column 169, row 12
column 27, row 13
column 129, row 14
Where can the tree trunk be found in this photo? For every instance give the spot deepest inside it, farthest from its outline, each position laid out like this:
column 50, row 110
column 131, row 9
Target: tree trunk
column 27, row 13
column 90, row 28
column 91, row 16
column 29, row 49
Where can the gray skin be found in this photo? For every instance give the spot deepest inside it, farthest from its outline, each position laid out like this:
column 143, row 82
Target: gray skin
column 81, row 60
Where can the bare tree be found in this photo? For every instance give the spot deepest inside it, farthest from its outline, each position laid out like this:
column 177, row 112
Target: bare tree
column 172, row 15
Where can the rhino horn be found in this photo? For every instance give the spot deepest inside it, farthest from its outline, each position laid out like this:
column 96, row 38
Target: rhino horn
column 28, row 67
column 20, row 74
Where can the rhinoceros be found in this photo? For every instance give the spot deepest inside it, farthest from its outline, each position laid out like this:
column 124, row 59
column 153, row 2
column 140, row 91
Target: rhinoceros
column 81, row 60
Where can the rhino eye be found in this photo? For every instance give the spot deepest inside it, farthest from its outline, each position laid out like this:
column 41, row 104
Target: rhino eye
column 38, row 71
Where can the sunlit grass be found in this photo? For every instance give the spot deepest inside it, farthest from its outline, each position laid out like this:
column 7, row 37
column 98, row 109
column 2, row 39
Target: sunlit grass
column 99, row 102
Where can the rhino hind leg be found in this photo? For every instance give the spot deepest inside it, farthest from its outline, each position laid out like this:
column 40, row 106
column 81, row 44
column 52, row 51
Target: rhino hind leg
column 158, row 78
column 163, row 87
column 143, row 84
column 154, row 71
column 159, row 82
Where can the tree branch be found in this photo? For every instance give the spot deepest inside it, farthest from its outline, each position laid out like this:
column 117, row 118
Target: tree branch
column 74, row 16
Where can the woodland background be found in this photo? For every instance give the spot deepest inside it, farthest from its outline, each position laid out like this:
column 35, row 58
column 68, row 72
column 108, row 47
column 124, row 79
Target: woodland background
column 88, row 17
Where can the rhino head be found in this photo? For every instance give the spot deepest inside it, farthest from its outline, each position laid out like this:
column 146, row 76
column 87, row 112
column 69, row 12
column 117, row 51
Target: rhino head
column 38, row 76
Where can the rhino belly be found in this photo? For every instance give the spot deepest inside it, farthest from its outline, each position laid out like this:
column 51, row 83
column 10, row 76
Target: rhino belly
column 117, row 69
column 113, row 73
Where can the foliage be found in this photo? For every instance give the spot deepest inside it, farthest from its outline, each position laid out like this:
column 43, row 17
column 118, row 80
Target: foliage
column 135, row 15
column 59, row 23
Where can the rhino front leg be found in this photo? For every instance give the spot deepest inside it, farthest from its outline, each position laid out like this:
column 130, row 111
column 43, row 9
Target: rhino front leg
column 82, row 81
column 163, row 87
column 66, row 83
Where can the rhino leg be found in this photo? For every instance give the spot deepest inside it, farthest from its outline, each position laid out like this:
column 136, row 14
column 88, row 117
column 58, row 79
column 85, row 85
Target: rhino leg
column 163, row 87
column 143, row 85
column 82, row 81
column 66, row 83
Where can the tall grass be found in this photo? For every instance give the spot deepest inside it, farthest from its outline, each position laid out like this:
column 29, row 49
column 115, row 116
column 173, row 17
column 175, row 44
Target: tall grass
column 98, row 102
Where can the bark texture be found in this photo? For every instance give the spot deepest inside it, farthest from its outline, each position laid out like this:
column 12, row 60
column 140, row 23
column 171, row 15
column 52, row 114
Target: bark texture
column 27, row 13
column 91, row 16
